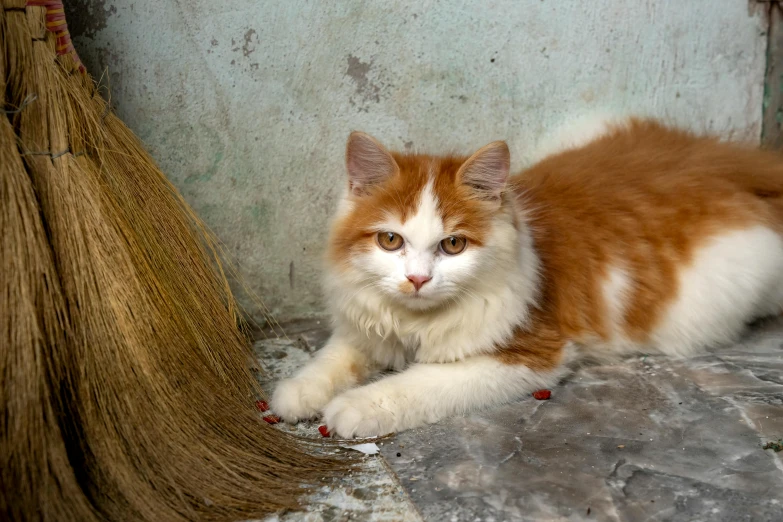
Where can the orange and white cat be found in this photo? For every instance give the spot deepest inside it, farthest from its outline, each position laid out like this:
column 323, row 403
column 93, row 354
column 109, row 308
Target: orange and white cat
column 477, row 288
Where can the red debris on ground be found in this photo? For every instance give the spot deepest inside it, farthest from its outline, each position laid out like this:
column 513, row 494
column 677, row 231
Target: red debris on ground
column 262, row 405
column 542, row 395
column 272, row 419
column 323, row 430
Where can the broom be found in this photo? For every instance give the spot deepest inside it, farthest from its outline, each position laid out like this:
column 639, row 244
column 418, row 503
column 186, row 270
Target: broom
column 140, row 395
column 36, row 471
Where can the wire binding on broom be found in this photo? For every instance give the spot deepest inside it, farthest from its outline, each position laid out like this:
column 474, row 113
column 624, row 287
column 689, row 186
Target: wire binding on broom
column 30, row 98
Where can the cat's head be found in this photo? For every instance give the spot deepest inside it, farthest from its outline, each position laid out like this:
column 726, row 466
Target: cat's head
column 421, row 230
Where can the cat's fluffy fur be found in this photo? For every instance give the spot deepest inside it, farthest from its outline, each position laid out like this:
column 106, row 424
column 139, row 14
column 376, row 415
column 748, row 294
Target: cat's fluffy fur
column 636, row 237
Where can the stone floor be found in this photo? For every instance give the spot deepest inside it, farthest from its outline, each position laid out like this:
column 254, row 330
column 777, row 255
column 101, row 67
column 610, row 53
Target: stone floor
column 650, row 438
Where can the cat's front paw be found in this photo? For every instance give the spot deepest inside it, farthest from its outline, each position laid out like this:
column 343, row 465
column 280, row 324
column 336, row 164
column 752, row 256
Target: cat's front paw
column 361, row 412
column 299, row 399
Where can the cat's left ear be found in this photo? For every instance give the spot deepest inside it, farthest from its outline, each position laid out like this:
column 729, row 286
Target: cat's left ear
column 486, row 171
column 368, row 163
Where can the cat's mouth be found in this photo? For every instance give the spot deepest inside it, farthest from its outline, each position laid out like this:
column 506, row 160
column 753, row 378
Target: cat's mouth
column 419, row 301
column 413, row 296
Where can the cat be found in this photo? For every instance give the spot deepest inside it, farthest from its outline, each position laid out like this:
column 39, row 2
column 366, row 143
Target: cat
column 477, row 288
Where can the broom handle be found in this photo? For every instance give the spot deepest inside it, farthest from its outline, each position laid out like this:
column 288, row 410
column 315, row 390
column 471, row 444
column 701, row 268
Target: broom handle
column 55, row 22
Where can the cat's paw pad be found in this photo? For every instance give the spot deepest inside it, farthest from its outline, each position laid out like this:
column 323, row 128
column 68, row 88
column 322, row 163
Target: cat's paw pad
column 360, row 413
column 299, row 399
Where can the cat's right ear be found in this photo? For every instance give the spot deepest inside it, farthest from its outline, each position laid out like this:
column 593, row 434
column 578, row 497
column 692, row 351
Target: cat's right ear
column 368, row 163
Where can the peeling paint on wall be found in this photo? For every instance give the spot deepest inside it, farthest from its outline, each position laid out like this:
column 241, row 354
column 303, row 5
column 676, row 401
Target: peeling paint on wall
column 365, row 89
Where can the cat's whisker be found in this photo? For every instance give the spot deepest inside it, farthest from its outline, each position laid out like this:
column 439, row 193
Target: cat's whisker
column 368, row 285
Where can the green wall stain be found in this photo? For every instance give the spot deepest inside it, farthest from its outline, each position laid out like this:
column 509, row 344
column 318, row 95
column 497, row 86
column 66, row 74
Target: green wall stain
column 211, row 171
column 259, row 214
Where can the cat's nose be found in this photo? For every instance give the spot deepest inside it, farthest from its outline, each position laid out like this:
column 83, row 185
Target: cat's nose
column 418, row 280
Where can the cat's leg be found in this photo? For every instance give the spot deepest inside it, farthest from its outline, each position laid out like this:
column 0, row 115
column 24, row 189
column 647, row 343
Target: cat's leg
column 339, row 365
column 425, row 393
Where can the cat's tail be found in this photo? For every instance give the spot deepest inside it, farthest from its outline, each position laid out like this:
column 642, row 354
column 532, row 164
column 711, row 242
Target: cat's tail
column 577, row 132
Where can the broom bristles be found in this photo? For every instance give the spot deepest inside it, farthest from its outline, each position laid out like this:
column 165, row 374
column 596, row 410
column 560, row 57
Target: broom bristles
column 152, row 385
column 36, row 470
column 34, row 461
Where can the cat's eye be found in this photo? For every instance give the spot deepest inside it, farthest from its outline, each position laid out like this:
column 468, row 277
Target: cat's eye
column 453, row 245
column 390, row 241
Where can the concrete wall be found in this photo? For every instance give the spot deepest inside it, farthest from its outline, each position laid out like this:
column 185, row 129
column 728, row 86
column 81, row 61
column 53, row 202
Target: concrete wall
column 246, row 104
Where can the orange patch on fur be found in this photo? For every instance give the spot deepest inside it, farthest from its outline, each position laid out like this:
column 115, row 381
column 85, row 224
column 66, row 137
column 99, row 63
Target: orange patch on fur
column 643, row 198
column 538, row 346
column 358, row 372
column 400, row 195
column 406, row 287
